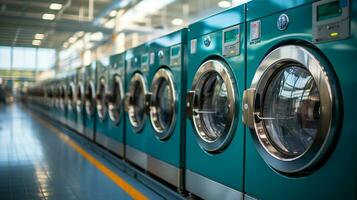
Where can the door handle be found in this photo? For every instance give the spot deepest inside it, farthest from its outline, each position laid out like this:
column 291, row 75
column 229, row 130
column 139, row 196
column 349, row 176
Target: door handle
column 248, row 107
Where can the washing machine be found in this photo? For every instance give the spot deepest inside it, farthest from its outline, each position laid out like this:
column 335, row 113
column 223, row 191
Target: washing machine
column 215, row 84
column 136, row 122
column 71, row 114
column 102, row 121
column 299, row 106
column 62, row 99
column 166, row 107
column 79, row 104
column 114, row 139
column 90, row 101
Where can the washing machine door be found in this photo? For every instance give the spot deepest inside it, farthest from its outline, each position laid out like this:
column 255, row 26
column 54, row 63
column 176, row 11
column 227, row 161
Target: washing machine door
column 136, row 102
column 289, row 108
column 63, row 97
column 116, row 99
column 212, row 105
column 163, row 103
column 102, row 99
column 80, row 97
column 90, row 98
column 71, row 96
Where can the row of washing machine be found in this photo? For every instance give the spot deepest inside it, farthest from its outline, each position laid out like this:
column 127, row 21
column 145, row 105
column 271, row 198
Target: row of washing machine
column 254, row 102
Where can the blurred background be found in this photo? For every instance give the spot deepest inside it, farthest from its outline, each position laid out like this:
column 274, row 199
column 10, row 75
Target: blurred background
column 41, row 38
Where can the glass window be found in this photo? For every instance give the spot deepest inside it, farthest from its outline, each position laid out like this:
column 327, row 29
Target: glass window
column 5, row 57
column 46, row 58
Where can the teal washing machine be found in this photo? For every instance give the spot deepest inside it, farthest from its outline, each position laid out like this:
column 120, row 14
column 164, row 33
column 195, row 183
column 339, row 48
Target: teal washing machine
column 71, row 114
column 79, row 104
column 114, row 140
column 56, row 98
column 62, row 98
column 165, row 146
column 101, row 130
column 299, row 108
column 136, row 123
column 215, row 84
column 90, row 101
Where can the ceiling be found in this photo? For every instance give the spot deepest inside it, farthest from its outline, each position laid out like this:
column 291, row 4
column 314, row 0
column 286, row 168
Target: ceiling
column 20, row 20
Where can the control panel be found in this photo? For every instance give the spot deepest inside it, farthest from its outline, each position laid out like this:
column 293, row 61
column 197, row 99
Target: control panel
column 145, row 62
column 175, row 56
column 231, row 41
column 330, row 20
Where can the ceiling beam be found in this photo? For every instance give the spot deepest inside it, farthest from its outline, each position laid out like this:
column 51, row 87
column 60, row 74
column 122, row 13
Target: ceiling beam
column 62, row 25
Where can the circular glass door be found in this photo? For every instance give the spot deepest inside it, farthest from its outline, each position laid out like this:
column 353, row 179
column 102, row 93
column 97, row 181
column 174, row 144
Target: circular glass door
column 90, row 98
column 71, row 96
column 62, row 97
column 163, row 104
column 102, row 99
column 293, row 108
column 79, row 99
column 116, row 99
column 214, row 105
column 136, row 107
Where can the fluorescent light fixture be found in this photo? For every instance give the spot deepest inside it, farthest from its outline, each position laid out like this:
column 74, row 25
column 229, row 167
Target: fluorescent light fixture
column 113, row 13
column 36, row 42
column 48, row 16
column 177, row 21
column 110, row 24
column 55, row 6
column 79, row 34
column 121, row 12
column 72, row 40
column 239, row 2
column 97, row 36
column 65, row 45
column 39, row 36
column 224, row 4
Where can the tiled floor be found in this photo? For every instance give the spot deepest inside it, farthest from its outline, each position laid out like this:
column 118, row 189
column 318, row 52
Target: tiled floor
column 36, row 164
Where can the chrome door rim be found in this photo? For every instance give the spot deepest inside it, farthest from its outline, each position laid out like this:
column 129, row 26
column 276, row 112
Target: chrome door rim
column 136, row 78
column 102, row 106
column 272, row 63
column 160, row 132
column 221, row 68
column 115, row 110
column 80, row 96
column 71, row 101
column 63, row 97
column 89, row 101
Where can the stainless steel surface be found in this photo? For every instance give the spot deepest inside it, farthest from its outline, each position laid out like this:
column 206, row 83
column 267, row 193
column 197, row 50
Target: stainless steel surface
column 206, row 69
column 209, row 189
column 135, row 156
column 248, row 102
column 101, row 99
column 165, row 171
column 273, row 62
column 115, row 105
column 161, row 131
column 110, row 144
column 90, row 98
column 136, row 80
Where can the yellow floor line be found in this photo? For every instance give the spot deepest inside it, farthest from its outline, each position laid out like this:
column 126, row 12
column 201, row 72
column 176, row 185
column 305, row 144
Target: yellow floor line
column 132, row 191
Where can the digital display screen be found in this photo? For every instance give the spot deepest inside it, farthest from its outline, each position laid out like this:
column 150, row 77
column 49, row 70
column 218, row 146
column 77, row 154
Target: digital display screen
column 231, row 36
column 144, row 59
column 328, row 10
column 175, row 51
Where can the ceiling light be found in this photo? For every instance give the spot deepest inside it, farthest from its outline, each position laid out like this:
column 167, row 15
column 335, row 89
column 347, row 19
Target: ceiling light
column 39, row 36
column 79, row 34
column 72, row 39
column 121, row 12
column 36, row 42
column 98, row 36
column 48, row 16
column 177, row 21
column 110, row 24
column 55, row 6
column 65, row 45
column 113, row 13
column 224, row 4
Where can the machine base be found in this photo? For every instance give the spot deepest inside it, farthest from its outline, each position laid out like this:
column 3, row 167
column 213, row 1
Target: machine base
column 209, row 189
